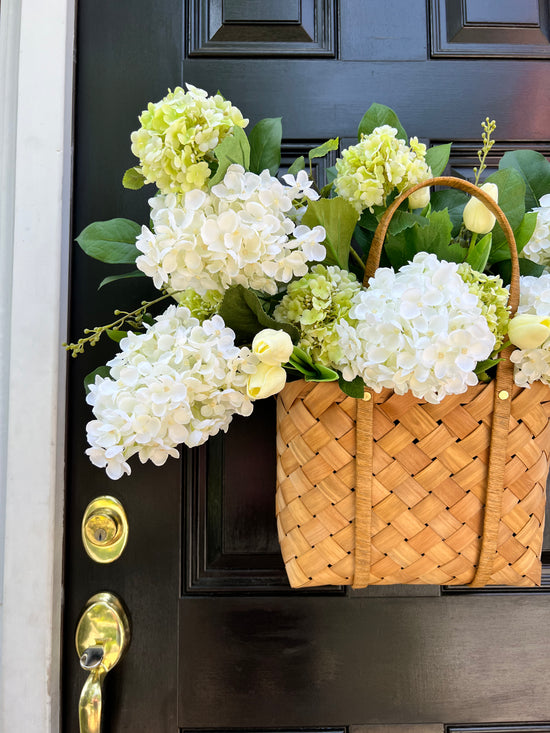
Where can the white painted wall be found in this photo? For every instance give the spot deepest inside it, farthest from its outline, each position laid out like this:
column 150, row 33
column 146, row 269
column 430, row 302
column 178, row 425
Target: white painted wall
column 36, row 52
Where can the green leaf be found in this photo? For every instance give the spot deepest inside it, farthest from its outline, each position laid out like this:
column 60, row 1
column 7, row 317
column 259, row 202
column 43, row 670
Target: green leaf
column 326, row 190
column 242, row 311
column 102, row 371
column 404, row 220
column 477, row 258
column 369, row 219
column 116, row 335
column 323, row 149
column 353, row 389
column 535, row 171
column 438, row 157
column 124, row 276
column 313, row 372
column 526, row 267
column 434, row 237
column 265, row 145
column 511, row 197
column 482, row 368
column 525, row 230
column 452, row 200
column 400, row 248
column 331, row 174
column 235, row 148
column 133, row 179
column 339, row 218
column 298, row 165
column 377, row 115
column 111, row 241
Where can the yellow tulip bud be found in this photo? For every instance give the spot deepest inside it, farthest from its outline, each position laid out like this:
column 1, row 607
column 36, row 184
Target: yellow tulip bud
column 419, row 199
column 477, row 217
column 528, row 331
column 266, row 381
column 272, row 347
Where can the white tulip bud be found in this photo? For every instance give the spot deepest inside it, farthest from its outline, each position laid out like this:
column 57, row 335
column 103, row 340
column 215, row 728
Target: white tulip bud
column 477, row 217
column 529, row 331
column 266, row 381
column 272, row 347
column 419, row 199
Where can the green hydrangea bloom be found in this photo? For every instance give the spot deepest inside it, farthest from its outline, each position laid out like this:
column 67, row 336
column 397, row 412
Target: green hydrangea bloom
column 178, row 134
column 369, row 171
column 492, row 297
column 201, row 306
column 314, row 303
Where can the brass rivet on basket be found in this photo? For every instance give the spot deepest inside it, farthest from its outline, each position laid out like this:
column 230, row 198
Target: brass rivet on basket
column 367, row 396
column 503, row 395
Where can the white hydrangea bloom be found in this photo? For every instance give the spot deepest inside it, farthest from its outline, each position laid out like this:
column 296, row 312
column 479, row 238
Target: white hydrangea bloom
column 533, row 364
column 179, row 382
column 419, row 329
column 537, row 248
column 241, row 232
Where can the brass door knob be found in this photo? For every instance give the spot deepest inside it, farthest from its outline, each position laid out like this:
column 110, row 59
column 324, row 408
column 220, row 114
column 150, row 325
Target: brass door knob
column 102, row 637
column 104, row 529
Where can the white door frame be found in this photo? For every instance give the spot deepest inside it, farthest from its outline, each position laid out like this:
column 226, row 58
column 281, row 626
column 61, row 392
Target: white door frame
column 36, row 82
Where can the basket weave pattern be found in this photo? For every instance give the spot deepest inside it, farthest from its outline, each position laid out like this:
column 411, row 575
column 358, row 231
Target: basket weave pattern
column 429, row 477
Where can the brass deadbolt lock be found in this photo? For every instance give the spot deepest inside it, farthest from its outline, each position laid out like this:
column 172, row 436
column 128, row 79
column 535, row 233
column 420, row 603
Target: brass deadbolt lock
column 104, row 529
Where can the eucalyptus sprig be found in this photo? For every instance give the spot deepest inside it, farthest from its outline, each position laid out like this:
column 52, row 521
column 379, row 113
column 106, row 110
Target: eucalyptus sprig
column 134, row 319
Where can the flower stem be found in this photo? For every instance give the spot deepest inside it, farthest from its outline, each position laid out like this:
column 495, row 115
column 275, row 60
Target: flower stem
column 95, row 333
column 473, row 241
column 357, row 258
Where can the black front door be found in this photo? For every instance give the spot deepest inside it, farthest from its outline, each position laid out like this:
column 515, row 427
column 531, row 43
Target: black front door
column 219, row 641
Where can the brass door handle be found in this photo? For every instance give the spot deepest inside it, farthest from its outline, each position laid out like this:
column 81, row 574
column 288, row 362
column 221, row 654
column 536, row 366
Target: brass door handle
column 102, row 636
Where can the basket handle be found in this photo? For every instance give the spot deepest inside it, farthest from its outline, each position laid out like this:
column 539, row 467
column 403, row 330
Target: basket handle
column 502, row 385
column 380, row 234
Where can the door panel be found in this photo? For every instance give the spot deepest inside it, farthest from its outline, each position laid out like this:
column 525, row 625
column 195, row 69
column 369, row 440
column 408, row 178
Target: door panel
column 219, row 640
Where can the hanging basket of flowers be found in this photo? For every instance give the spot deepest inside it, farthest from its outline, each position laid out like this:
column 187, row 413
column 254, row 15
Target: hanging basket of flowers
column 412, row 386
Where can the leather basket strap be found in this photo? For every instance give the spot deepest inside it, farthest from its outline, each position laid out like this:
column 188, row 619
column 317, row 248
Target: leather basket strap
column 503, row 385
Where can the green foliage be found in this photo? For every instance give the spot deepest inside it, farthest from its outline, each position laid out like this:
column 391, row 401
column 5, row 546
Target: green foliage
column 525, row 230
column 111, row 241
column 298, row 165
column 265, row 145
column 234, row 148
column 511, row 197
column 535, row 171
column 377, row 115
column 438, row 157
column 133, row 179
column 331, row 174
column 402, row 220
column 483, row 367
column 242, row 311
column 323, row 149
column 452, row 200
column 124, row 276
column 102, row 371
column 339, row 218
column 433, row 236
column 312, row 371
column 356, row 388
column 526, row 267
column 478, row 255
column 116, row 336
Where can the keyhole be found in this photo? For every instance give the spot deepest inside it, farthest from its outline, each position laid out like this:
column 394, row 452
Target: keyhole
column 100, row 535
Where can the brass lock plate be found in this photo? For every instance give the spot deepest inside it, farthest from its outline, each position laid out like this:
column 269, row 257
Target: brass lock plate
column 104, row 529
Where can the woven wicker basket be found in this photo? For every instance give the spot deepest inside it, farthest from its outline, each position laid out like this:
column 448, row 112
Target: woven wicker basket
column 391, row 489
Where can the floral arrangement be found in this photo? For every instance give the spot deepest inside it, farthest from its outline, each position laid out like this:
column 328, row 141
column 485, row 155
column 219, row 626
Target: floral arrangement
column 262, row 275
